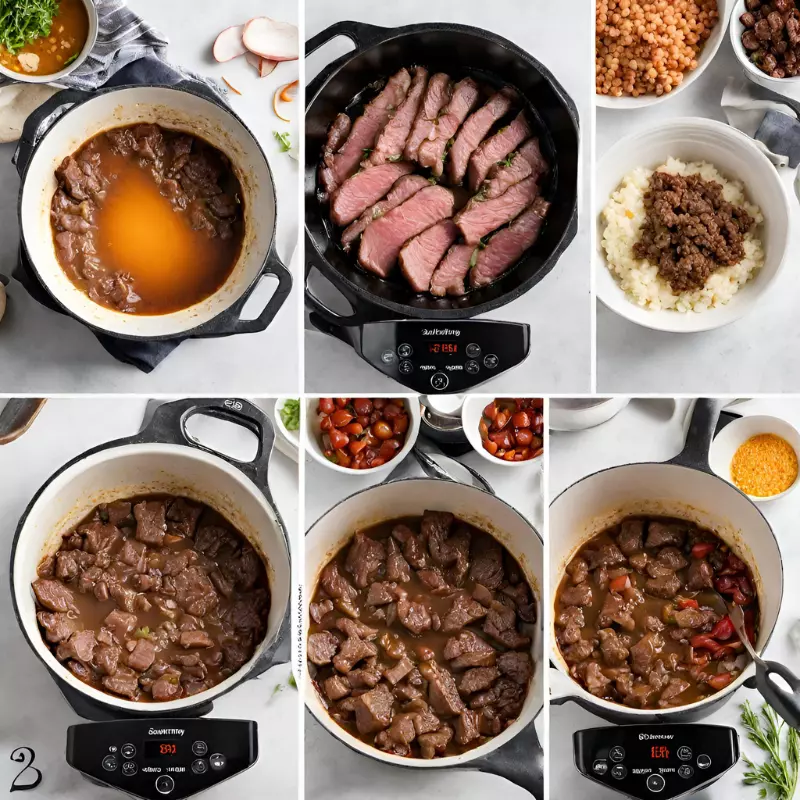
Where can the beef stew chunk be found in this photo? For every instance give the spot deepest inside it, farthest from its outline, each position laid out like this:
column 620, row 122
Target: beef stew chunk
column 153, row 598
column 635, row 614
column 418, row 639
column 147, row 220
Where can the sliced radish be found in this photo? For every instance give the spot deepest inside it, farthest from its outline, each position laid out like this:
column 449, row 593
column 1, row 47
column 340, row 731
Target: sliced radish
column 229, row 45
column 266, row 67
column 254, row 60
column 276, row 41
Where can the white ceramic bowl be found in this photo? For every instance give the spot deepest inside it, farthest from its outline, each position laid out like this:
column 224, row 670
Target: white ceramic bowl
column 56, row 77
column 314, row 446
column 706, row 54
column 785, row 86
column 471, row 413
column 580, row 414
column 736, row 433
column 737, row 157
column 291, row 437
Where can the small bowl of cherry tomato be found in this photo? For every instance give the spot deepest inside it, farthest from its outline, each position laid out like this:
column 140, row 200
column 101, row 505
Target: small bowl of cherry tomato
column 505, row 430
column 361, row 434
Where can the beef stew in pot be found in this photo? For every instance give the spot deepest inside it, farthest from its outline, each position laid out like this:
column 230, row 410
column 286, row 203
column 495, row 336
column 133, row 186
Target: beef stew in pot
column 147, row 220
column 153, row 598
column 638, row 622
column 417, row 643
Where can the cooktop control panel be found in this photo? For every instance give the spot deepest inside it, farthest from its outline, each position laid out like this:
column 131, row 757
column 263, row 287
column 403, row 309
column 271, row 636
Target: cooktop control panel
column 438, row 358
column 162, row 759
column 656, row 762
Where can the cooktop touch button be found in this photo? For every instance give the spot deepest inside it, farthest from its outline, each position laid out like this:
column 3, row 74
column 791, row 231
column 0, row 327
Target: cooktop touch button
column 439, row 381
column 129, row 768
column 619, row 771
column 199, row 767
column 405, row 351
column 703, row 761
column 600, row 767
column 617, row 753
column 406, row 367
column 128, row 751
column 491, row 361
column 388, row 356
column 217, row 761
column 685, row 771
column 110, row 763
column 164, row 784
column 472, row 367
column 655, row 783
column 685, row 753
column 473, row 350
column 199, row 748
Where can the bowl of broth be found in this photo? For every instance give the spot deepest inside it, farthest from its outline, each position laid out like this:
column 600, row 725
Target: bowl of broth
column 61, row 45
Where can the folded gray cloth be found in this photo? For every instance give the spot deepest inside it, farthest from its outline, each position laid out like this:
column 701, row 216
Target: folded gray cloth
column 122, row 37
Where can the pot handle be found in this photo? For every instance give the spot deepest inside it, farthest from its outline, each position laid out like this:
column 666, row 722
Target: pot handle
column 327, row 320
column 229, row 323
column 705, row 416
column 433, row 470
column 787, row 704
column 277, row 652
column 168, row 425
column 41, row 120
column 520, row 761
column 359, row 33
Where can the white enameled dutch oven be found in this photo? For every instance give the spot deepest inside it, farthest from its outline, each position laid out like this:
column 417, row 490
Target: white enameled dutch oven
column 160, row 459
column 515, row 753
column 684, row 487
column 188, row 106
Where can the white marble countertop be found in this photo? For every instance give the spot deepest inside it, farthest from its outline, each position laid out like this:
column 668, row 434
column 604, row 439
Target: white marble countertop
column 42, row 351
column 652, row 430
column 758, row 352
column 557, row 309
column 34, row 713
column 332, row 770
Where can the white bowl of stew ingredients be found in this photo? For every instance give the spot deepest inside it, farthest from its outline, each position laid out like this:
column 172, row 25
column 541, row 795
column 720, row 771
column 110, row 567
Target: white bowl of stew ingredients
column 43, row 41
column 505, row 430
column 758, row 455
column 647, row 52
column 356, row 434
column 287, row 420
column 692, row 226
column 766, row 39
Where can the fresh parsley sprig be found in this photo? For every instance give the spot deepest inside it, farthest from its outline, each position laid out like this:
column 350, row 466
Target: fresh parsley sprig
column 23, row 21
column 283, row 140
column 778, row 776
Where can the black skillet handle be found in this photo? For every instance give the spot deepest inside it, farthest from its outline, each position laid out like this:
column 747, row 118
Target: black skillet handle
column 520, row 761
column 329, row 319
column 701, row 431
column 229, row 323
column 41, row 120
column 277, row 653
column 359, row 33
column 433, row 470
column 168, row 426
column 787, row 704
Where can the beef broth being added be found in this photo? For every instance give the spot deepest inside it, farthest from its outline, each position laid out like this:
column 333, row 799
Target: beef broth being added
column 153, row 598
column 636, row 618
column 147, row 220
column 417, row 642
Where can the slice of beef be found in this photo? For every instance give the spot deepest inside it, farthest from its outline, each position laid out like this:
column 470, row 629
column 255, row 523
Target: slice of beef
column 142, row 656
column 151, row 521
column 432, row 151
column 580, row 595
column 124, row 682
column 316, row 611
column 607, row 555
column 669, row 696
column 351, row 652
column 700, row 575
column 397, row 568
column 495, row 149
column 615, row 609
column 473, row 131
column 527, row 161
column 167, row 687
column 432, row 743
column 478, row 679
column 382, row 241
column 414, row 550
column 699, row 618
column 414, row 616
column 322, row 647
column 182, row 517
column 442, row 689
column 407, row 186
column 463, row 611
column 425, row 721
column 578, row 570
column 364, row 131
column 644, row 653
column 120, row 623
column 398, row 671
column 337, row 133
column 364, row 559
column 577, row 652
column 381, row 593
column 58, row 626
column 362, row 190
column 366, row 677
column 393, row 137
column 194, row 639
column 373, row 709
column 80, row 646
column 448, row 278
column 399, row 735
column 666, row 586
column 666, row 533
column 194, row 592
column 500, row 624
column 437, row 95
column 421, row 255
column 352, row 627
column 631, row 536
column 106, row 657
column 615, row 654
column 336, row 584
column 469, row 650
column 481, row 217
column 594, row 679
column 52, row 594
column 517, row 666
column 467, row 727
column 487, row 563
column 100, row 537
column 336, row 687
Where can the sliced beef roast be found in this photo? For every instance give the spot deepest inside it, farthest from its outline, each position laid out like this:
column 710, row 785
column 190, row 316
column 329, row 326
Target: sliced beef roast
column 364, row 189
column 528, row 160
column 453, row 268
column 420, row 255
column 382, row 241
column 484, row 216
column 507, row 246
column 496, row 148
column 437, row 95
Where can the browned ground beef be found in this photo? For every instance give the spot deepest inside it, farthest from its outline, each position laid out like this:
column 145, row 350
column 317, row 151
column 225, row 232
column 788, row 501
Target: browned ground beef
column 690, row 230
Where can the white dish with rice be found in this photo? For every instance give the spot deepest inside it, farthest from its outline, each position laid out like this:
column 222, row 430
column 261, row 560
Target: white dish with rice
column 631, row 287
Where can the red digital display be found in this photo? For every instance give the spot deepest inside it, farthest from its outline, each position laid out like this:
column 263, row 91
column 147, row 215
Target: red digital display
column 443, row 347
column 155, row 749
column 659, row 751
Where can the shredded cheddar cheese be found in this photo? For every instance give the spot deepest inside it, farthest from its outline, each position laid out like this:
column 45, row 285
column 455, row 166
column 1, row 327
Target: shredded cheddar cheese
column 764, row 465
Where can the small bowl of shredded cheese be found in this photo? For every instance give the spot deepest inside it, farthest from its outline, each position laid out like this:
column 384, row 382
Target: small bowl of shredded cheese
column 758, row 455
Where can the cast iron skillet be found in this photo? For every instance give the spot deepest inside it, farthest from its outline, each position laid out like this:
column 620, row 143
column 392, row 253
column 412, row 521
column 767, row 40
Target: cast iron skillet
column 458, row 50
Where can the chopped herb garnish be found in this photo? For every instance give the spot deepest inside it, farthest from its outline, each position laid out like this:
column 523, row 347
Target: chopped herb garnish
column 473, row 259
column 292, row 681
column 508, row 160
column 433, row 179
column 70, row 59
column 142, row 633
column 366, row 151
column 24, row 21
column 283, row 140
column 290, row 414
column 778, row 776
column 394, row 158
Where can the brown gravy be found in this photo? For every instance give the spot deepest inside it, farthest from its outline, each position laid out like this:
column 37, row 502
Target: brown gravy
column 68, row 35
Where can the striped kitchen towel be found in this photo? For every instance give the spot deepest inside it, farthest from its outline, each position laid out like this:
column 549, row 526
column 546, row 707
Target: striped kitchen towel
column 122, row 37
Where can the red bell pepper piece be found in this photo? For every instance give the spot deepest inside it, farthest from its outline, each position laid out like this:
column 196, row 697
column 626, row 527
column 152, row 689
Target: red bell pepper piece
column 720, row 681
column 687, row 602
column 723, row 630
column 620, row 583
column 702, row 549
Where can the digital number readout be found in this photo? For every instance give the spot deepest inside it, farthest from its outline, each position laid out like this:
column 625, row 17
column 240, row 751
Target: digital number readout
column 659, row 751
column 441, row 347
column 154, row 749
column 168, row 749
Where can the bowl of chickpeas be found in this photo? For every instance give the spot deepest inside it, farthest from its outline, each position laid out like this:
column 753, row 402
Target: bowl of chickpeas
column 647, row 51
column 361, row 434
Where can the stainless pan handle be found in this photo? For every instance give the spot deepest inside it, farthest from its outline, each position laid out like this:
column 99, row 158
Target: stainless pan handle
column 705, row 416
